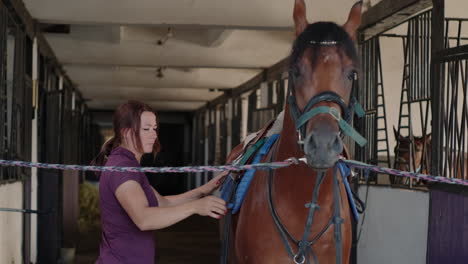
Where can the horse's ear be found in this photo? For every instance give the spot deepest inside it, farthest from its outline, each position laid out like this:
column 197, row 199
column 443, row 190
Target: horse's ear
column 428, row 138
column 397, row 135
column 300, row 18
column 354, row 20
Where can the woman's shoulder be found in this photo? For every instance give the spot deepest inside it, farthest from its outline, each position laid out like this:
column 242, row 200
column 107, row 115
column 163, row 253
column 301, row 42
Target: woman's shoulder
column 122, row 157
column 114, row 179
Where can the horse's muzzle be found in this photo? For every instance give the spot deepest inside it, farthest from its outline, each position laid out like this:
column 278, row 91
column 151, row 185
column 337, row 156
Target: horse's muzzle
column 323, row 147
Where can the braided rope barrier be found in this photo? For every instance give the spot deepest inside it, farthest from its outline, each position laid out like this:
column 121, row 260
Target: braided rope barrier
column 260, row 166
column 367, row 167
column 24, row 211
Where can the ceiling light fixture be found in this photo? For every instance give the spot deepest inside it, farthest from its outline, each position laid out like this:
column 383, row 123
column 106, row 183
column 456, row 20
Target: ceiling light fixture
column 159, row 73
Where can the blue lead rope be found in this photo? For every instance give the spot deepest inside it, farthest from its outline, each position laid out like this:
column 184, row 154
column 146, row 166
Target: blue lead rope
column 345, row 171
column 248, row 176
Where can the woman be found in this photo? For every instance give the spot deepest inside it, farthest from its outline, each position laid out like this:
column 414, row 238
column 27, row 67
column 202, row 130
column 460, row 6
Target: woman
column 130, row 207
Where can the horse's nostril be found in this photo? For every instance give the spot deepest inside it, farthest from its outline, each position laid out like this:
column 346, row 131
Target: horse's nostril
column 332, row 143
column 312, row 142
column 337, row 144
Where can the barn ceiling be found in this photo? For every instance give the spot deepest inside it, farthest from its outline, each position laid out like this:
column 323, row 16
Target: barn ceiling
column 174, row 55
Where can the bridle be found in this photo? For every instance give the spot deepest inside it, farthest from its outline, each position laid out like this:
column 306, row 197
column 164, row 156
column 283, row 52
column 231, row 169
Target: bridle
column 302, row 255
column 301, row 118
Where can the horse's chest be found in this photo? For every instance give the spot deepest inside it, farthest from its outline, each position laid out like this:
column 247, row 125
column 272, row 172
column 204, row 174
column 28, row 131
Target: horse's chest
column 257, row 237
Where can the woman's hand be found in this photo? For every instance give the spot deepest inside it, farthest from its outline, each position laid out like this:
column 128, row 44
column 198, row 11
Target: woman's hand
column 210, row 206
column 213, row 184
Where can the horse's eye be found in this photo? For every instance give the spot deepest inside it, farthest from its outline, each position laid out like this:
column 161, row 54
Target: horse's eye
column 353, row 76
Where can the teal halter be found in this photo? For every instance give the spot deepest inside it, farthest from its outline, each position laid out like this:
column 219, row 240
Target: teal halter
column 301, row 118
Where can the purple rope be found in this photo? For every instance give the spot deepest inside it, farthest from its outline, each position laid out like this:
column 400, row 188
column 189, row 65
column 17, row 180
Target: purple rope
column 360, row 165
column 260, row 166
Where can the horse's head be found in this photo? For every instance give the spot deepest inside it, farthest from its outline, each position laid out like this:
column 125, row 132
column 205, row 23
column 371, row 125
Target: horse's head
column 324, row 66
column 403, row 151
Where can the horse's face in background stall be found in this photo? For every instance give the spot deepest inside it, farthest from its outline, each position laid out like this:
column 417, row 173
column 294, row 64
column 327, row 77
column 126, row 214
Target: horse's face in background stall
column 403, row 152
column 324, row 62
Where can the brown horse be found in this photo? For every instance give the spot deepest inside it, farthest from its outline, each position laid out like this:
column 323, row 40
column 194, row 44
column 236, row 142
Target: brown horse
column 415, row 155
column 268, row 230
column 412, row 155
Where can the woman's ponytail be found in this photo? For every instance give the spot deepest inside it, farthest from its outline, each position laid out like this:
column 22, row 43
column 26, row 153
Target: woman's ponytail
column 106, row 149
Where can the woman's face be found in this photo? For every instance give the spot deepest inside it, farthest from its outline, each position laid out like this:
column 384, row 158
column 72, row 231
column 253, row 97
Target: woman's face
column 148, row 131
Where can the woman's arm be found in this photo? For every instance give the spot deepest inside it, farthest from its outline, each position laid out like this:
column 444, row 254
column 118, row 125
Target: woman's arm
column 133, row 199
column 192, row 195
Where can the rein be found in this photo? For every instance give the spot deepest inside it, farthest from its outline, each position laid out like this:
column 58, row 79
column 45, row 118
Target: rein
column 305, row 246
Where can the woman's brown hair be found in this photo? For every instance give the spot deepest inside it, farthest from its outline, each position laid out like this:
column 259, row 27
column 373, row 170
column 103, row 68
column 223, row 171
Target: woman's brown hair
column 126, row 116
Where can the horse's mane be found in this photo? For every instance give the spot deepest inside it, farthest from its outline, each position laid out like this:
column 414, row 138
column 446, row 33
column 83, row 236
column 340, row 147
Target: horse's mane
column 318, row 33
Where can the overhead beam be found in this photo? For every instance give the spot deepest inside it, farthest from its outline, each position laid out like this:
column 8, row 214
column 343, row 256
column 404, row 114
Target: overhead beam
column 388, row 14
column 217, row 37
column 160, row 99
column 451, row 54
column 156, row 105
column 273, row 73
column 161, row 35
column 54, row 28
column 178, row 26
column 154, row 66
column 149, row 94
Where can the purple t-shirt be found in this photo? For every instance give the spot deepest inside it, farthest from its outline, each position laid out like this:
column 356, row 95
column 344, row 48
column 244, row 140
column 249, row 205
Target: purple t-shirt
column 122, row 241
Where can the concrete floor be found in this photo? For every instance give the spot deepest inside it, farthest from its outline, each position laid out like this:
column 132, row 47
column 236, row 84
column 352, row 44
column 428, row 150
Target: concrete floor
column 194, row 240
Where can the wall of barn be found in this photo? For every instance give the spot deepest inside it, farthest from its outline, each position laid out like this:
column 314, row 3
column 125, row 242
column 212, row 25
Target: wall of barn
column 394, row 228
column 11, row 224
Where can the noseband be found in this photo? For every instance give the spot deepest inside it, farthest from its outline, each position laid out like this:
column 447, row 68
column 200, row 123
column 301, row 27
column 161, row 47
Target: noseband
column 310, row 110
